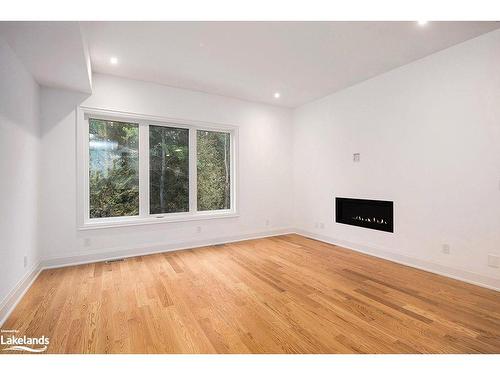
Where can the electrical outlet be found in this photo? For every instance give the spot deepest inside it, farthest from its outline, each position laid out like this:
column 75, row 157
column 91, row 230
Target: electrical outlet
column 322, row 225
column 86, row 242
column 445, row 248
column 356, row 157
column 198, row 229
column 267, row 222
column 494, row 260
column 25, row 261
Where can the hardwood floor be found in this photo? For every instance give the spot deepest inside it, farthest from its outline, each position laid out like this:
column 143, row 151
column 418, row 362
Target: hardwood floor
column 286, row 294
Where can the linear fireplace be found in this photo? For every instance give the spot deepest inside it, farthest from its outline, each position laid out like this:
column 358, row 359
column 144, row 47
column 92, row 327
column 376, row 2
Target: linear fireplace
column 365, row 213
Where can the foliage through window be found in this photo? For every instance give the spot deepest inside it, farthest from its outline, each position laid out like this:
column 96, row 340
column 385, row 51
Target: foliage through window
column 168, row 170
column 113, row 168
column 214, row 171
column 140, row 171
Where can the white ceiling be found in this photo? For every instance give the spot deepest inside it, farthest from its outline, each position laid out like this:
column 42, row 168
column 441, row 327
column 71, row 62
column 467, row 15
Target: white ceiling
column 53, row 52
column 252, row 60
column 248, row 60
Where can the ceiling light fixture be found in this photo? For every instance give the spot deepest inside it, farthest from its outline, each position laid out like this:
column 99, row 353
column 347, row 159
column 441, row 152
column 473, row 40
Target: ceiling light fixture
column 422, row 23
column 277, row 95
column 113, row 60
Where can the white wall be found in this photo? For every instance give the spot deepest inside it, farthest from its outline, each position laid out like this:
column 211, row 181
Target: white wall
column 429, row 138
column 265, row 181
column 19, row 150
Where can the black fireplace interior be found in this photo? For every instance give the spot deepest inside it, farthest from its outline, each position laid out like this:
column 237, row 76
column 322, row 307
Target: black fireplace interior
column 365, row 213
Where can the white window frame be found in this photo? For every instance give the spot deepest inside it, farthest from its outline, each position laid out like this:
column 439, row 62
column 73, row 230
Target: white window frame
column 143, row 121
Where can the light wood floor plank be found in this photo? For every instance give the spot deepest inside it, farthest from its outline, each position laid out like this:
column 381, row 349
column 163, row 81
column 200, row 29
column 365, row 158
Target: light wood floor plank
column 284, row 294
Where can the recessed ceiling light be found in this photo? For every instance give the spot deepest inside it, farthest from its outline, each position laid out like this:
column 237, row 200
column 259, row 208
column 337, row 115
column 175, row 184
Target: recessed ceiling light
column 422, row 23
column 277, row 95
column 113, row 60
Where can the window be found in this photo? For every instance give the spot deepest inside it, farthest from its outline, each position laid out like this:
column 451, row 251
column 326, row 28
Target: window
column 136, row 170
column 113, row 168
column 214, row 172
column 168, row 170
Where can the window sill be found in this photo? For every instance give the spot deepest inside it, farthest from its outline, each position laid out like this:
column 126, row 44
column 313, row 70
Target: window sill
column 154, row 219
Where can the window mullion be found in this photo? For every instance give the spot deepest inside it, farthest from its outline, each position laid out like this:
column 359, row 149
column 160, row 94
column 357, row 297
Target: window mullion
column 233, row 169
column 143, row 169
column 192, row 172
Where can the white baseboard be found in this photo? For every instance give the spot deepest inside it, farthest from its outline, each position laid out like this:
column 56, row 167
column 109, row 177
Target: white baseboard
column 117, row 253
column 453, row 273
column 13, row 298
